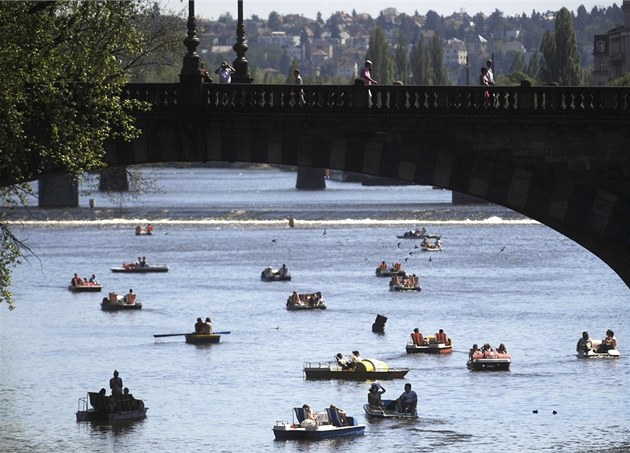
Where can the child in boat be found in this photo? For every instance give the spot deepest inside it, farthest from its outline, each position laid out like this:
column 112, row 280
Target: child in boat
column 374, row 396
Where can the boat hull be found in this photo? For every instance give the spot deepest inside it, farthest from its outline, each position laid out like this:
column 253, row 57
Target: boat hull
column 286, row 431
column 405, row 288
column 118, row 306
column 438, row 348
column 301, row 307
column 390, row 273
column 140, row 270
column 489, row 364
column 327, row 373
column 92, row 416
column 275, row 278
column 388, row 412
column 85, row 288
column 610, row 354
column 192, row 338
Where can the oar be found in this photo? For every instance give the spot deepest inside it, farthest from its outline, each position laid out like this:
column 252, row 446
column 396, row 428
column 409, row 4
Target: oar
column 182, row 334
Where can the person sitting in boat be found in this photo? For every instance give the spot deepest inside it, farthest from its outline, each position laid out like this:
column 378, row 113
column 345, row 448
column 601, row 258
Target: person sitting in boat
column 93, row 280
column 424, row 243
column 199, row 326
column 143, row 261
column 138, row 229
column 584, row 344
column 502, row 349
column 417, row 337
column 308, row 412
column 441, row 337
column 608, row 343
column 268, row 272
column 76, row 280
column 284, row 271
column 355, row 358
column 397, row 266
column 473, row 351
column 295, row 298
column 207, row 327
column 116, row 384
column 130, row 297
column 341, row 414
column 149, row 229
column 408, row 400
column 342, row 361
column 374, row 396
column 487, row 350
column 382, row 266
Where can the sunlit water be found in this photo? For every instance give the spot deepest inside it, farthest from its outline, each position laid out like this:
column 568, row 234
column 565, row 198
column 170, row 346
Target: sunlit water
column 500, row 278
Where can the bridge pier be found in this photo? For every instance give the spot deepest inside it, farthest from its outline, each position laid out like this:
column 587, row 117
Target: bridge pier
column 310, row 178
column 58, row 192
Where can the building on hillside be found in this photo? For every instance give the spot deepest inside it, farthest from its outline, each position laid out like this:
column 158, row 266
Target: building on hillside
column 455, row 52
column 611, row 52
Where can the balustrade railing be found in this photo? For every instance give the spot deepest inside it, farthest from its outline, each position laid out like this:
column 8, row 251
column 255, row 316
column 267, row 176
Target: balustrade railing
column 392, row 99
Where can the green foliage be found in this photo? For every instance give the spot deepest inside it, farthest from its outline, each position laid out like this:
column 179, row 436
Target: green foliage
column 380, row 54
column 514, row 79
column 63, row 66
column 402, row 62
column 621, row 81
column 421, row 63
column 440, row 75
column 561, row 60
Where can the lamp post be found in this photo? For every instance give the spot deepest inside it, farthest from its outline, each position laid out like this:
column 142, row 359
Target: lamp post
column 492, row 47
column 240, row 64
column 191, row 59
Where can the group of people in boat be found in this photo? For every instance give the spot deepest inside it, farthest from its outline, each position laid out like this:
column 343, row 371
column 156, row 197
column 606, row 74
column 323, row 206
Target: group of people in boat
column 420, row 340
column 203, row 328
column 437, row 245
column 350, row 363
column 321, row 418
column 282, row 272
column 140, row 262
column 148, row 230
column 487, row 350
column 78, row 281
column 406, row 281
column 120, row 398
column 418, row 233
column 129, row 298
column 396, row 267
column 407, row 402
column 585, row 344
column 310, row 300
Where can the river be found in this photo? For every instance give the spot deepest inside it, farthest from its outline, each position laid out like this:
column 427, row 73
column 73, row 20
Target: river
column 500, row 278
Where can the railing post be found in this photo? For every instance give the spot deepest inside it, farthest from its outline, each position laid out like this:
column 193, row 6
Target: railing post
column 360, row 95
column 525, row 99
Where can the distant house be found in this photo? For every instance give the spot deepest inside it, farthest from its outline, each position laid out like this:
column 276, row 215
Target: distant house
column 319, row 57
column 455, row 52
column 611, row 51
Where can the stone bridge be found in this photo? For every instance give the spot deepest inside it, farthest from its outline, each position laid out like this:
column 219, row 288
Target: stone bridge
column 560, row 155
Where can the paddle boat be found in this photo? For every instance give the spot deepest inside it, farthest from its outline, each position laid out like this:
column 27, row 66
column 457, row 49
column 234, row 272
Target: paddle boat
column 426, row 246
column 140, row 267
column 116, row 302
column 366, row 369
column 148, row 231
column 430, row 344
column 589, row 349
column 489, row 359
column 197, row 338
column 418, row 234
column 405, row 283
column 325, row 425
column 385, row 271
column 110, row 409
column 275, row 275
column 389, row 410
column 310, row 301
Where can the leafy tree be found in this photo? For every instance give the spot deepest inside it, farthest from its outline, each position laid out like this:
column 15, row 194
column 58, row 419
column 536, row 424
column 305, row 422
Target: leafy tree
column 561, row 62
column 518, row 62
column 64, row 65
column 402, row 62
column 421, row 63
column 621, row 81
column 514, row 79
column 533, row 67
column 440, row 75
column 380, row 55
column 275, row 21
